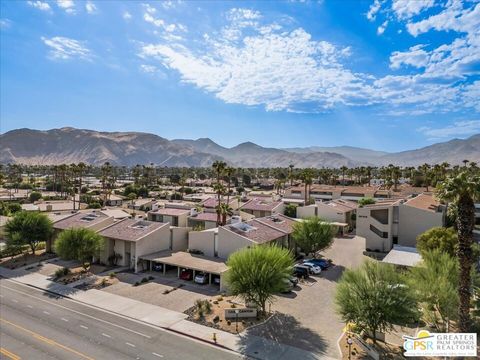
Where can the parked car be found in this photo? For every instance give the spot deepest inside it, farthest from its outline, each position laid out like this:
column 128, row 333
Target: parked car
column 301, row 271
column 157, row 267
column 288, row 287
column 201, row 278
column 293, row 280
column 314, row 269
column 216, row 279
column 186, row 274
column 324, row 264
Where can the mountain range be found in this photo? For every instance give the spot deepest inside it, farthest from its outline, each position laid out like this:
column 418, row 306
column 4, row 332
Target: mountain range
column 70, row 145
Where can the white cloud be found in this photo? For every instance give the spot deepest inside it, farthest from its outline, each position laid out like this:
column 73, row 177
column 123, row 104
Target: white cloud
column 405, row 9
column 62, row 48
column 381, row 28
column 90, row 7
column 415, row 56
column 127, row 16
column 5, row 23
column 282, row 68
column 458, row 128
column 169, row 4
column 67, row 5
column 39, row 5
column 374, row 9
column 149, row 16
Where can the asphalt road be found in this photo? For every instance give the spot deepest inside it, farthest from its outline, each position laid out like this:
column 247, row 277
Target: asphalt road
column 37, row 325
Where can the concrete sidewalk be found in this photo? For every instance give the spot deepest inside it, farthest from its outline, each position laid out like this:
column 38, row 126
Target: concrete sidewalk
column 249, row 345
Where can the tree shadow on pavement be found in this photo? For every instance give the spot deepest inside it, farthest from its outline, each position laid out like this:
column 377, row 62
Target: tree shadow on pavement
column 285, row 329
column 334, row 273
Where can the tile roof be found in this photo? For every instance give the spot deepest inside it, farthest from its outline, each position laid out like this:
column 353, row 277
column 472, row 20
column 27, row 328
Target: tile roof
column 256, row 231
column 131, row 229
column 81, row 219
column 339, row 205
column 212, row 202
column 424, row 202
column 170, row 211
column 279, row 222
column 261, row 204
column 205, row 216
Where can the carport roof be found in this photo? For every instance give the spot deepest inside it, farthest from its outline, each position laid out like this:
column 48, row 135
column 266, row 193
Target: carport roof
column 187, row 260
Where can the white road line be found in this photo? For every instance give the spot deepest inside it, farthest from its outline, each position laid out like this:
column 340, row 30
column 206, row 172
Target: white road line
column 84, row 327
column 106, row 335
column 15, row 300
column 129, row 344
column 157, row 355
column 30, row 306
column 63, row 319
column 80, row 313
column 46, row 313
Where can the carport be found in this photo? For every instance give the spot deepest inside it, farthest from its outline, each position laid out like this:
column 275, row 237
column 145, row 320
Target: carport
column 185, row 260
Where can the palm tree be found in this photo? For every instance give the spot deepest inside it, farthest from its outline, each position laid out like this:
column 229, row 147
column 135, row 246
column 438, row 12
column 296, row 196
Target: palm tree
column 290, row 173
column 463, row 189
column 307, row 178
column 219, row 167
column 343, row 169
column 229, row 171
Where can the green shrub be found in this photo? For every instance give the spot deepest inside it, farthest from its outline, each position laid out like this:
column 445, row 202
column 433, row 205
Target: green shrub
column 112, row 275
column 62, row 272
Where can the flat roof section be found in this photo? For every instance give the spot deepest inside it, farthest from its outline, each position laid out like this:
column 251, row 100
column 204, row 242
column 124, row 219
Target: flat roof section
column 190, row 261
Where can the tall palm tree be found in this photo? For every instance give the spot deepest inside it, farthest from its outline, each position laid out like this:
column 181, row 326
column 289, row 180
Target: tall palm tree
column 229, row 171
column 290, row 173
column 343, row 169
column 463, row 189
column 307, row 178
column 219, row 167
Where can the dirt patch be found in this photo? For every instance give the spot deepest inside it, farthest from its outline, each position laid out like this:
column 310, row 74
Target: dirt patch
column 386, row 351
column 101, row 282
column 215, row 318
column 25, row 259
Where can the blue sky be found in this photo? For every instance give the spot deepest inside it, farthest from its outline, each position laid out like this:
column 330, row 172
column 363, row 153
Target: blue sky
column 387, row 75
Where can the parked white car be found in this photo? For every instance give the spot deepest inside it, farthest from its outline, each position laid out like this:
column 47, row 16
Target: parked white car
column 314, row 269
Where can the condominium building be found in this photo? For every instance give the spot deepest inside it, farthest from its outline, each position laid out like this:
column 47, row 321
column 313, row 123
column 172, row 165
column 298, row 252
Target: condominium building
column 398, row 221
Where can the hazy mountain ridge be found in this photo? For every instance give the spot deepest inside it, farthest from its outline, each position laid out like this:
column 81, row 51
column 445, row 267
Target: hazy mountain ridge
column 70, row 145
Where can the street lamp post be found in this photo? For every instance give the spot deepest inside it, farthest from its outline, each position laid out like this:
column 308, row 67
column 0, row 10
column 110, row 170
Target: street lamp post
column 236, row 320
column 349, row 342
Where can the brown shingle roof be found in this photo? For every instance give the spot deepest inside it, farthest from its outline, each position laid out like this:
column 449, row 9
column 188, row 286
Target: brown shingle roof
column 425, row 202
column 261, row 204
column 278, row 221
column 170, row 211
column 84, row 220
column 256, row 231
column 131, row 229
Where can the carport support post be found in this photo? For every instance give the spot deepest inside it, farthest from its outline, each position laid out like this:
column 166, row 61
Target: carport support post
column 193, row 277
column 164, row 268
column 209, row 278
column 178, row 271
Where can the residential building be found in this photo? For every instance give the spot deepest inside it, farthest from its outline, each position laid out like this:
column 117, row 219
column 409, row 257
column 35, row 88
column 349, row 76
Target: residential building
column 205, row 220
column 263, row 206
column 142, row 204
column 211, row 203
column 320, row 192
column 54, row 205
column 398, row 221
column 174, row 216
column 129, row 239
column 223, row 241
column 94, row 220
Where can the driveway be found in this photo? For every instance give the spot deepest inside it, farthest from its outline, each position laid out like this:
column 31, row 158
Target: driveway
column 306, row 318
column 153, row 292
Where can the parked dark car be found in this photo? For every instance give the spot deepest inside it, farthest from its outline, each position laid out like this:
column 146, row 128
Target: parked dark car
column 301, row 271
column 324, row 264
column 186, row 274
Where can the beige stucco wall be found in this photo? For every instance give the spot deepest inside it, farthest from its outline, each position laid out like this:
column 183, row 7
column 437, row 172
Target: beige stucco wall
column 203, row 241
column 229, row 242
column 372, row 240
column 304, row 212
column 156, row 241
column 414, row 221
column 179, row 238
column 330, row 214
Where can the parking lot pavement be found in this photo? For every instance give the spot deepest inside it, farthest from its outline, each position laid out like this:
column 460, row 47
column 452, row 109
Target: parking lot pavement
column 153, row 292
column 307, row 317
